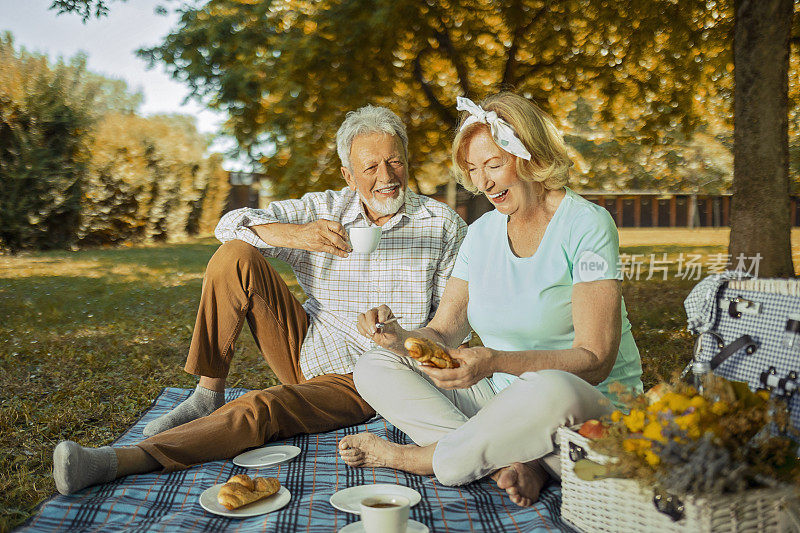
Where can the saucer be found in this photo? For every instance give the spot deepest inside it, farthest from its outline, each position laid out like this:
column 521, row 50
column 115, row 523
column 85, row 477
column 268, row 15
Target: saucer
column 348, row 500
column 266, row 456
column 412, row 527
column 208, row 501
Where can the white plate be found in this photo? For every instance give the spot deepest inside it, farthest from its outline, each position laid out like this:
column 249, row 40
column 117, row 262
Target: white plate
column 348, row 500
column 208, row 501
column 412, row 527
column 266, row 456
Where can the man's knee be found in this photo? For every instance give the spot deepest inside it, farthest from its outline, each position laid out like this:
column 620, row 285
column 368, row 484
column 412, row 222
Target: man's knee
column 253, row 405
column 260, row 410
column 230, row 257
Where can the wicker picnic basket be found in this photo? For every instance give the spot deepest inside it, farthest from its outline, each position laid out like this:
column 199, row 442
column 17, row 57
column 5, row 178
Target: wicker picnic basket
column 619, row 505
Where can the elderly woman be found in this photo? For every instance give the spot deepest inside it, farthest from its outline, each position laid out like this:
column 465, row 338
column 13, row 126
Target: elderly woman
column 536, row 279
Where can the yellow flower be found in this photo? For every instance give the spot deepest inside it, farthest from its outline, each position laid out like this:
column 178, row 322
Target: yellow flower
column 698, row 402
column 657, row 407
column 616, row 416
column 678, row 403
column 720, row 408
column 635, row 420
column 652, row 431
column 690, row 424
column 636, row 445
column 686, row 421
column 651, row 458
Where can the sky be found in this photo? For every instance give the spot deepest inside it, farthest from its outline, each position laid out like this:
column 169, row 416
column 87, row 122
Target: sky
column 110, row 43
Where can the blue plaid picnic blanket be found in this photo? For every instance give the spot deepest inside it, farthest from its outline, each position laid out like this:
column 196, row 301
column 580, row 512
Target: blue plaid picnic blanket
column 169, row 502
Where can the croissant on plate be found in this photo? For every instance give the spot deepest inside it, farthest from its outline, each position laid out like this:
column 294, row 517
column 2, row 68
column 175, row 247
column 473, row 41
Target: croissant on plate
column 241, row 490
column 428, row 352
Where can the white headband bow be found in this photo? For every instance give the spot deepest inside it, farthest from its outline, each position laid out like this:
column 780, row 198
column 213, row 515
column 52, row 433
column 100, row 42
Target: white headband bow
column 502, row 132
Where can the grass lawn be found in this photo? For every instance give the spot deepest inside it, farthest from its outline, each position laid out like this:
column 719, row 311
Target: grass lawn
column 89, row 338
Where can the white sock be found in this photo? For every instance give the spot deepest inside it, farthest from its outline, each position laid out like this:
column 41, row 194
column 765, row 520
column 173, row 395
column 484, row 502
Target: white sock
column 201, row 403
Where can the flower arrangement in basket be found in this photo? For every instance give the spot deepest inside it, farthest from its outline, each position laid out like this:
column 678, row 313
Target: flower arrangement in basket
column 715, row 437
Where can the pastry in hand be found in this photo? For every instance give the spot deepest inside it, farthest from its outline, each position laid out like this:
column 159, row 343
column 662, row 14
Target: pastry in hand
column 428, row 352
column 240, row 490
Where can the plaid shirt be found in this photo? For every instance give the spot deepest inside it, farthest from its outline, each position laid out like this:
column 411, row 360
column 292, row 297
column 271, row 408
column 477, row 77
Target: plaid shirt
column 407, row 272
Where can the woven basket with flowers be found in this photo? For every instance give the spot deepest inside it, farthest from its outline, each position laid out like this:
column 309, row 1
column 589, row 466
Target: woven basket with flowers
column 711, row 456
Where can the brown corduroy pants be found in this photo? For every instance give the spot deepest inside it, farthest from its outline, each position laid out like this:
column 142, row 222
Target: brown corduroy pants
column 240, row 284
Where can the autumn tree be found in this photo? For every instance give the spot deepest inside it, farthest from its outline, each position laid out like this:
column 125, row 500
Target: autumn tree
column 213, row 197
column 150, row 179
column 79, row 166
column 44, row 114
column 287, row 70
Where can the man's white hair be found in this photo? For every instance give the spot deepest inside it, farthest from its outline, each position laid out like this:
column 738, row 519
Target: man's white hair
column 368, row 119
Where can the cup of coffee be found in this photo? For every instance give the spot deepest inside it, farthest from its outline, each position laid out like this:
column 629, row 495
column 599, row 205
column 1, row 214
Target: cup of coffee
column 385, row 514
column 365, row 239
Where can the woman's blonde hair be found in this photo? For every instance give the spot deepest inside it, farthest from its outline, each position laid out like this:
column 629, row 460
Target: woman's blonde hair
column 549, row 164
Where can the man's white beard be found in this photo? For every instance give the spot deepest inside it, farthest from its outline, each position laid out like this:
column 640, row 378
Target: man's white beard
column 386, row 207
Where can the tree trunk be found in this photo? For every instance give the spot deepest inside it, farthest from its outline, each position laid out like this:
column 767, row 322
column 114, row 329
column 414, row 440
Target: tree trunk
column 760, row 211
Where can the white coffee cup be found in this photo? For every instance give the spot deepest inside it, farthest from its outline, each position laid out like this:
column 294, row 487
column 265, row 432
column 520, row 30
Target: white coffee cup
column 365, row 239
column 385, row 514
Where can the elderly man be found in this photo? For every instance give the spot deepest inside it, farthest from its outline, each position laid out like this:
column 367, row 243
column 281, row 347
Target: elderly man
column 312, row 348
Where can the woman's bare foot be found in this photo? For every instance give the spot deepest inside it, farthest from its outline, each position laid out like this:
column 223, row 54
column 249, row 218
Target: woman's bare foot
column 367, row 449
column 522, row 481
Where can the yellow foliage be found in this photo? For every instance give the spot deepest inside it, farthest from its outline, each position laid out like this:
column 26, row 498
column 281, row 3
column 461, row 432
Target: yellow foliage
column 651, row 458
column 719, row 408
column 634, row 420
column 151, row 176
column 636, row 445
column 690, row 424
column 726, row 416
column 677, row 403
column 698, row 402
column 652, row 431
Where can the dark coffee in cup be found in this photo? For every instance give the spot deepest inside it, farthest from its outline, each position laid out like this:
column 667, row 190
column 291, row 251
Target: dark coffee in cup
column 385, row 513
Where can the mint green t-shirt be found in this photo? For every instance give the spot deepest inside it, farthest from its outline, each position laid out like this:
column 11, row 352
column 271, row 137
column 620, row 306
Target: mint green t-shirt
column 525, row 303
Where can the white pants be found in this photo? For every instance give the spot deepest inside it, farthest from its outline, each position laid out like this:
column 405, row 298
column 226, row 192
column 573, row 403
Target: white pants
column 477, row 431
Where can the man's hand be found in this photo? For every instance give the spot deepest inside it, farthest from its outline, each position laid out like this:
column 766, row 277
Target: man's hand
column 321, row 235
column 476, row 363
column 391, row 336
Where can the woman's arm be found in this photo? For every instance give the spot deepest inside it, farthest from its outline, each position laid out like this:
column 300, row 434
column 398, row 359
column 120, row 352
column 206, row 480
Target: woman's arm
column 448, row 326
column 597, row 317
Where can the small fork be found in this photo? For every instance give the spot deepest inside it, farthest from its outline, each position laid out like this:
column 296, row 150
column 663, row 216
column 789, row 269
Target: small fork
column 380, row 325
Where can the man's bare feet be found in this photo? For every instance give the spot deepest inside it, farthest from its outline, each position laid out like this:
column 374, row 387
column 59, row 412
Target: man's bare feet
column 522, row 481
column 367, row 449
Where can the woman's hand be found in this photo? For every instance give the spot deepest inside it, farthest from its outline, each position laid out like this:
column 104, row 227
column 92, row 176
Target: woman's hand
column 476, row 363
column 390, row 336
